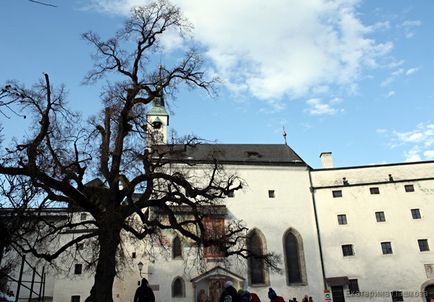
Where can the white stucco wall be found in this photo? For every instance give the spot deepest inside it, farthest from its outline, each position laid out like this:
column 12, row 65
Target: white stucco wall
column 292, row 207
column 403, row 270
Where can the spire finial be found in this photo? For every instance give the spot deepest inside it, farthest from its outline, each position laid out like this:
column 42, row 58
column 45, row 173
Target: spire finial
column 284, row 135
column 159, row 101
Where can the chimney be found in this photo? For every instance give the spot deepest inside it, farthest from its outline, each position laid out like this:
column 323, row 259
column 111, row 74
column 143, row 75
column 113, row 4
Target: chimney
column 326, row 160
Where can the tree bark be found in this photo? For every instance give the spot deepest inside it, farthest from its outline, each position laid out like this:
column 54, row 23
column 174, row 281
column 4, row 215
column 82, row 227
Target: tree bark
column 109, row 240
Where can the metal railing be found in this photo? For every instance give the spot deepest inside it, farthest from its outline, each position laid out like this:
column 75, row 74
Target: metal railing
column 37, row 278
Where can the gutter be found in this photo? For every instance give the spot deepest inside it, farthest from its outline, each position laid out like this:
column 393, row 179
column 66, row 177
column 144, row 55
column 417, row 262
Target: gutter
column 312, row 192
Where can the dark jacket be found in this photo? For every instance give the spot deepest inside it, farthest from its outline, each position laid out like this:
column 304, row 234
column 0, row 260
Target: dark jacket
column 230, row 295
column 144, row 294
column 277, row 299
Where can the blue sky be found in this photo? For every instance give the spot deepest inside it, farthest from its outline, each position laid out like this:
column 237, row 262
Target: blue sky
column 351, row 77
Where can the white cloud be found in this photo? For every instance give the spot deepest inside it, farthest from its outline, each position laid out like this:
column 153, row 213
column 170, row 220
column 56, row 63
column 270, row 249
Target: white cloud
column 396, row 74
column 411, row 71
column 273, row 49
column 381, row 25
column 419, row 142
column 408, row 27
column 412, row 155
column 392, row 77
column 429, row 154
column 390, row 93
column 317, row 107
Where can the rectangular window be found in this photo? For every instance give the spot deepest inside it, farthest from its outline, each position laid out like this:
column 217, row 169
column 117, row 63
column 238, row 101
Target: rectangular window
column 347, row 250
column 386, row 247
column 397, row 296
column 271, row 194
column 83, row 216
column 337, row 193
column 214, row 230
column 409, row 188
column 75, row 298
column 353, row 286
column 415, row 213
column 231, row 194
column 423, row 245
column 380, row 216
column 133, row 255
column 342, row 219
column 374, row 190
column 78, row 269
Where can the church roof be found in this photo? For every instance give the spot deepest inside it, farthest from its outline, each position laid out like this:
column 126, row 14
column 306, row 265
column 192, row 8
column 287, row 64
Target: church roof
column 158, row 106
column 259, row 154
column 158, row 110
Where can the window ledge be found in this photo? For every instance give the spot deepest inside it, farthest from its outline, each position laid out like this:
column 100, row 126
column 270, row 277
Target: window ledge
column 259, row 285
column 297, row 284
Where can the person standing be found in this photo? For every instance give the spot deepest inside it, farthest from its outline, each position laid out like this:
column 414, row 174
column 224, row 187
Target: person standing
column 144, row 293
column 254, row 298
column 229, row 293
column 273, row 296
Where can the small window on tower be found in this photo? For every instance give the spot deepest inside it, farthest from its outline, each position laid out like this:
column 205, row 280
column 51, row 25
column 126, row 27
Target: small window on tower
column 386, row 248
column 423, row 245
column 380, row 216
column 342, row 219
column 271, row 194
column 347, row 250
column 75, row 298
column 374, row 190
column 337, row 193
column 353, row 286
column 409, row 188
column 397, row 296
column 415, row 213
column 78, row 269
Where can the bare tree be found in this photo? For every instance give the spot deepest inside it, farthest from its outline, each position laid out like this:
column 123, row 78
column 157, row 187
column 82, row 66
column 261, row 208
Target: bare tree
column 106, row 166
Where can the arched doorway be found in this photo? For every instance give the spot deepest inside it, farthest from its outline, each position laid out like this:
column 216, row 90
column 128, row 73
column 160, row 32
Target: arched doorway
column 429, row 293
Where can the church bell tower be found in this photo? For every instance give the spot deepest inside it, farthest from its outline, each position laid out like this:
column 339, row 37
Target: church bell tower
column 158, row 121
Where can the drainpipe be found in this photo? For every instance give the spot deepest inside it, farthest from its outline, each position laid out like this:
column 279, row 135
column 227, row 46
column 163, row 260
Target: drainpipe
column 312, row 191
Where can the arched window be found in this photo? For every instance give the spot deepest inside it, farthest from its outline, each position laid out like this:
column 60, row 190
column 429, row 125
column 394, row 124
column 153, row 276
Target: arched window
column 294, row 257
column 257, row 249
column 176, row 248
column 178, row 288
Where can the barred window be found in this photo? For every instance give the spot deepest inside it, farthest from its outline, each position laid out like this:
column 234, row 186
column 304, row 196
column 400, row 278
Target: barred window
column 380, row 216
column 415, row 213
column 347, row 250
column 342, row 219
column 409, row 188
column 353, row 286
column 386, row 248
column 337, row 193
column 423, row 245
column 374, row 190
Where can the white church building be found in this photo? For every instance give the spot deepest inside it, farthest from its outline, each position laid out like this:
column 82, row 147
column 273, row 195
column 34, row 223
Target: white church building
column 346, row 233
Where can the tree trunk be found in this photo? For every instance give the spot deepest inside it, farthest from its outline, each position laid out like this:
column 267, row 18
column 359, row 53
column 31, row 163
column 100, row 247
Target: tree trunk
column 109, row 239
